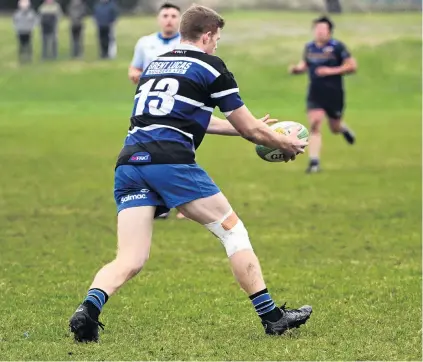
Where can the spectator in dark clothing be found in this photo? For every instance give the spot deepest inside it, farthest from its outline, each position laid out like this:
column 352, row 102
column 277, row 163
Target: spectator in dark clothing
column 25, row 19
column 76, row 11
column 50, row 14
column 105, row 14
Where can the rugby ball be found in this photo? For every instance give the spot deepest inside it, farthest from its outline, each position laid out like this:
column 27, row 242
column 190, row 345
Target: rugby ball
column 276, row 155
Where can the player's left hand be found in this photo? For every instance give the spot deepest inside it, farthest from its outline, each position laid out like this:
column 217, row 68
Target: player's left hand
column 266, row 119
column 323, row 71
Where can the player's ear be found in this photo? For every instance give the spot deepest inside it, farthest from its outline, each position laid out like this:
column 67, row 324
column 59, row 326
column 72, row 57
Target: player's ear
column 207, row 37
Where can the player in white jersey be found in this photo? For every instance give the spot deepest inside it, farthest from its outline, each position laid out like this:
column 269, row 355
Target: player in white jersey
column 151, row 46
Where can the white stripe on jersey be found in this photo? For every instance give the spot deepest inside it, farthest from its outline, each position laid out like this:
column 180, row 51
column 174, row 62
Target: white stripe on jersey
column 224, row 93
column 193, row 103
column 181, row 99
column 188, row 100
column 193, row 60
column 152, row 127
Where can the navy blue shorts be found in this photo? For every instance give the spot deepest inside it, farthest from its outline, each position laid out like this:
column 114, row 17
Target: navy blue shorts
column 163, row 186
column 333, row 107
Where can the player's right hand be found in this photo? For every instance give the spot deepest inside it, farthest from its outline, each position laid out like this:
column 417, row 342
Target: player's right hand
column 292, row 69
column 293, row 146
column 134, row 75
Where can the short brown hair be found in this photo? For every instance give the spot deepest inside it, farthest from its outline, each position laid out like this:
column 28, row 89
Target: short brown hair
column 198, row 20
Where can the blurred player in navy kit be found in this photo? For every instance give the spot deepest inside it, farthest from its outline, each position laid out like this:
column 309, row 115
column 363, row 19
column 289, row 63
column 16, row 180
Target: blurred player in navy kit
column 327, row 60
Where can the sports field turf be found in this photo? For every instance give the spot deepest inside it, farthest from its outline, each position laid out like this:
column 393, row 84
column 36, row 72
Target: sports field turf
column 347, row 241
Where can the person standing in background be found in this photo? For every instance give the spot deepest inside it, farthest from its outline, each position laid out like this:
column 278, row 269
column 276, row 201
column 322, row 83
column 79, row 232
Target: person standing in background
column 105, row 15
column 76, row 11
column 24, row 20
column 50, row 14
column 112, row 35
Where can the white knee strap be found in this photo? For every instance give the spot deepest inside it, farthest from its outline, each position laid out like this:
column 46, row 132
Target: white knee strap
column 231, row 232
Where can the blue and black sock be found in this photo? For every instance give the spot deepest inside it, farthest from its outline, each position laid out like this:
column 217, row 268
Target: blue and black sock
column 265, row 306
column 95, row 300
column 314, row 161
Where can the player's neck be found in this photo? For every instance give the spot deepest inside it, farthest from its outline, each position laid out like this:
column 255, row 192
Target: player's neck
column 168, row 36
column 321, row 43
column 197, row 45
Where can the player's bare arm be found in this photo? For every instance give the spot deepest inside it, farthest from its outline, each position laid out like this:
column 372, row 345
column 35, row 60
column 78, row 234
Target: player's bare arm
column 223, row 127
column 299, row 68
column 349, row 66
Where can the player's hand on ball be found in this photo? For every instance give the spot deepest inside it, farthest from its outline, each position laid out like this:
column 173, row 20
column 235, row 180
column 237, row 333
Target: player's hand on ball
column 293, row 141
column 294, row 145
column 323, row 71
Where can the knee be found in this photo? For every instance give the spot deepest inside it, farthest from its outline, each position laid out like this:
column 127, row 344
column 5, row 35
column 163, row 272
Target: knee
column 315, row 127
column 232, row 233
column 335, row 127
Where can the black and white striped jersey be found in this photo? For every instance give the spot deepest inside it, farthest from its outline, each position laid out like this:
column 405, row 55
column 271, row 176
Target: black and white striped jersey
column 173, row 104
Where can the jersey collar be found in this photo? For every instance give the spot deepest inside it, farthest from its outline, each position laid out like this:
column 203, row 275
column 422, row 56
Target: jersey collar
column 167, row 40
column 329, row 42
column 189, row 47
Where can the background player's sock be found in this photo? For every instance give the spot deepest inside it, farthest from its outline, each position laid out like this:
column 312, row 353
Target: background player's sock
column 314, row 161
column 95, row 300
column 313, row 165
column 265, row 306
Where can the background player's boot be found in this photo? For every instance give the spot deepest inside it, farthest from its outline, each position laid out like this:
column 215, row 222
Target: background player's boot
column 84, row 326
column 349, row 136
column 291, row 318
column 313, row 166
column 164, row 216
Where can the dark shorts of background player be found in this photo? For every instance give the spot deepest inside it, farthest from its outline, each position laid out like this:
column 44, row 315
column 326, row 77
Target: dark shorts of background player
column 333, row 106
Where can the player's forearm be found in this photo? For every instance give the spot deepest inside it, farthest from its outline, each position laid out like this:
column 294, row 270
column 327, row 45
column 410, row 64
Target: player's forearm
column 263, row 135
column 348, row 67
column 255, row 130
column 221, row 127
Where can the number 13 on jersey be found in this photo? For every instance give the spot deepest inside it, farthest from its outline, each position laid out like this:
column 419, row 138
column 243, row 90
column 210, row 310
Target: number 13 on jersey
column 157, row 101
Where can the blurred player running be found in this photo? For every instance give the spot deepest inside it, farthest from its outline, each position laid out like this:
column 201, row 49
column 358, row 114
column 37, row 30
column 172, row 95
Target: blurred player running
column 326, row 60
column 156, row 170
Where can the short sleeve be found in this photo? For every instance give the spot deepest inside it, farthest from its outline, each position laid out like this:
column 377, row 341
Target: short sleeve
column 224, row 92
column 138, row 58
column 343, row 52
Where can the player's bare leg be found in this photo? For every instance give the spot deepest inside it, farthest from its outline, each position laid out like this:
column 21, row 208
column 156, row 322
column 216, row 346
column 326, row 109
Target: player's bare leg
column 338, row 126
column 216, row 214
column 315, row 117
column 180, row 215
column 135, row 226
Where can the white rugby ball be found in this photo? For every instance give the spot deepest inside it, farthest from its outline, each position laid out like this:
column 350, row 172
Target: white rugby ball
column 285, row 127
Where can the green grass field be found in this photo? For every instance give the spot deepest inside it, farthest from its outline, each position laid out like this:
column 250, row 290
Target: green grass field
column 347, row 241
